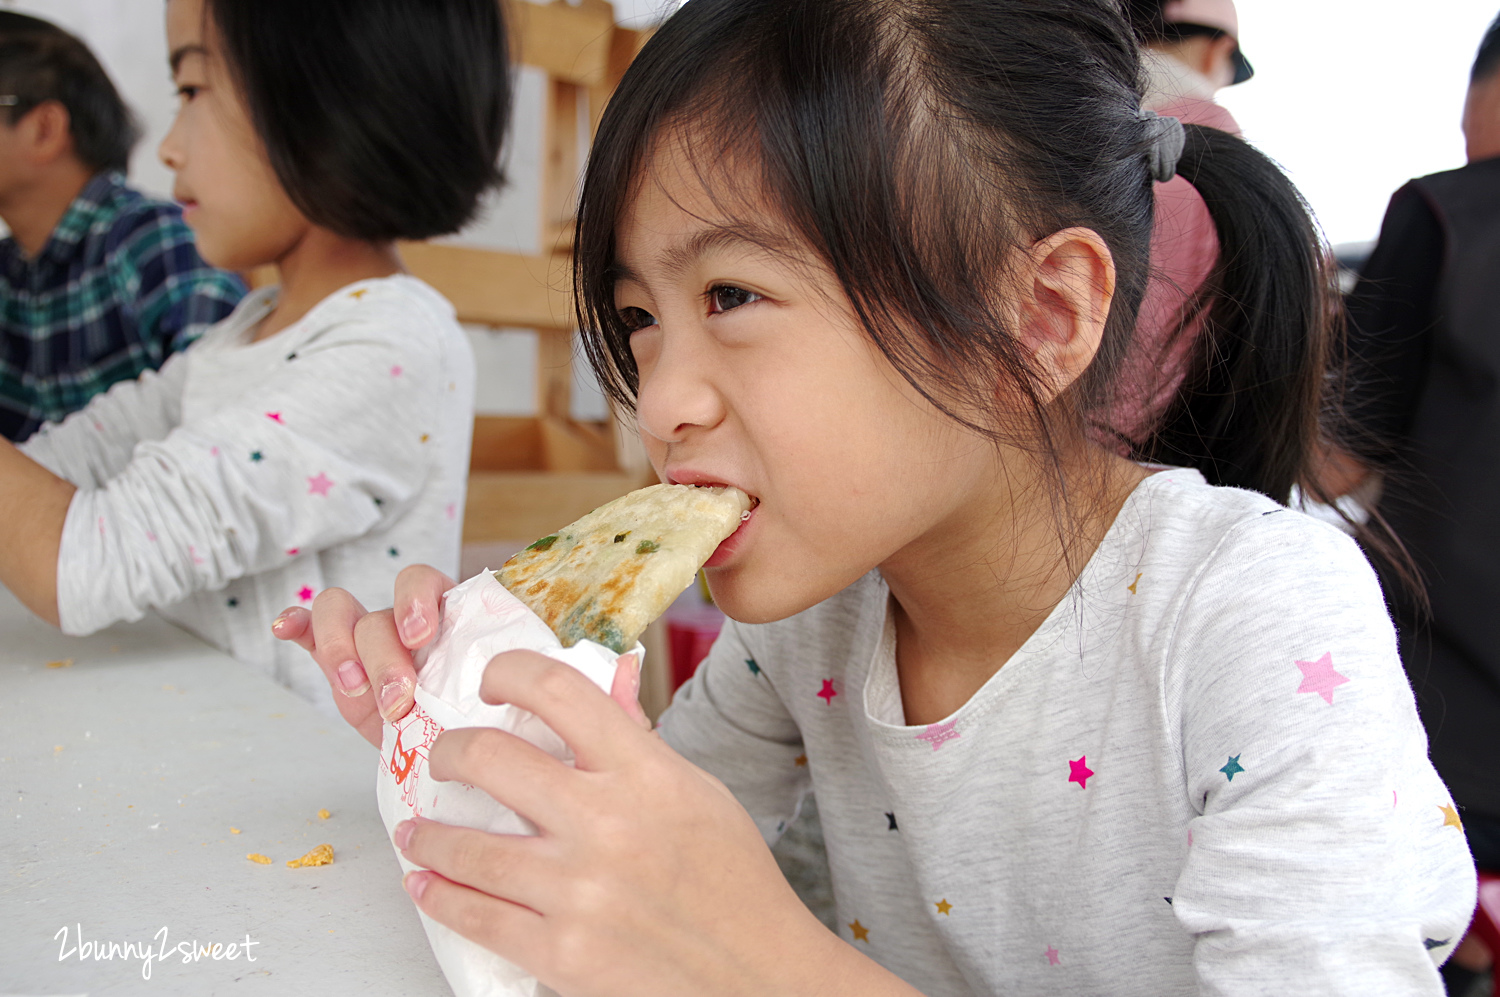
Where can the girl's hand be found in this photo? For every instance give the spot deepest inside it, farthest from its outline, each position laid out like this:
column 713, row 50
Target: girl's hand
column 366, row 657
column 646, row 876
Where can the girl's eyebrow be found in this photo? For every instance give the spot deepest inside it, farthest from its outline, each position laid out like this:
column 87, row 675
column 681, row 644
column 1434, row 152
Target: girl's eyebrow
column 182, row 52
column 676, row 260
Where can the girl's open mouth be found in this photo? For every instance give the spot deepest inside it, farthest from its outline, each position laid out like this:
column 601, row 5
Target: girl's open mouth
column 735, row 540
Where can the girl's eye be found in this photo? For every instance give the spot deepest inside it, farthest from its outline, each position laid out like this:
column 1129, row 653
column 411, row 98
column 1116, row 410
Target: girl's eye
column 186, row 93
column 724, row 297
column 636, row 318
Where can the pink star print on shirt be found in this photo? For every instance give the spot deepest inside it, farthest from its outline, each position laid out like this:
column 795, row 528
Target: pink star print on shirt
column 1052, row 956
column 319, row 485
column 940, row 734
column 274, row 416
column 305, row 594
column 1319, row 677
column 1079, row 772
column 828, row 691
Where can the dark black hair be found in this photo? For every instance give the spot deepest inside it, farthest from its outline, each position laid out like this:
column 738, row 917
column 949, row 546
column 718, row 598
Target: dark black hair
column 1146, row 17
column 914, row 145
column 40, row 62
column 383, row 119
column 1488, row 58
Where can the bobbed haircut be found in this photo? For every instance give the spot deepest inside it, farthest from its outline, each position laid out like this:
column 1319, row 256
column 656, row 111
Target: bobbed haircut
column 1487, row 60
column 41, row 62
column 383, row 119
column 914, row 146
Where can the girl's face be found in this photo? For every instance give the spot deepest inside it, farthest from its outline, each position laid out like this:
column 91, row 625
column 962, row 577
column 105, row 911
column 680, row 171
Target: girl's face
column 755, row 372
column 230, row 195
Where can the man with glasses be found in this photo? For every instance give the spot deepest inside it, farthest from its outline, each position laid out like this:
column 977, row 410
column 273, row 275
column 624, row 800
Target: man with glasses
column 97, row 283
column 1192, row 51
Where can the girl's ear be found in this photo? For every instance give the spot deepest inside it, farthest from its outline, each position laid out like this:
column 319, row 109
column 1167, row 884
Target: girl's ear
column 1067, row 284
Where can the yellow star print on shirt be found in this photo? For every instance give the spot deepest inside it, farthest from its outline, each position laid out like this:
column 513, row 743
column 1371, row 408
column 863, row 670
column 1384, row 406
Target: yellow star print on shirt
column 1132, row 585
column 943, row 906
column 1450, row 817
column 861, row 933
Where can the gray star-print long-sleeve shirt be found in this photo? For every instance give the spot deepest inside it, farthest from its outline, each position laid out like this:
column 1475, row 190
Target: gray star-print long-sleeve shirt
column 1203, row 774
column 248, row 476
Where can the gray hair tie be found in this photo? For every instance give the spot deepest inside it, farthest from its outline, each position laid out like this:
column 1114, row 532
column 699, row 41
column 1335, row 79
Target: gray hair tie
column 1165, row 140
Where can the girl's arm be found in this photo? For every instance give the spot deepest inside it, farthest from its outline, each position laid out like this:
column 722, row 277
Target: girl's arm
column 646, row 878
column 38, row 479
column 648, row 875
column 36, row 501
column 96, row 443
column 316, row 457
column 1328, row 850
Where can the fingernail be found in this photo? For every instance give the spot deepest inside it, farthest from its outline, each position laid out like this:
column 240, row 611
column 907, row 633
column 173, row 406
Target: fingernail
column 353, row 679
column 414, row 627
column 391, row 696
column 635, row 676
column 416, row 883
column 279, row 622
column 403, row 834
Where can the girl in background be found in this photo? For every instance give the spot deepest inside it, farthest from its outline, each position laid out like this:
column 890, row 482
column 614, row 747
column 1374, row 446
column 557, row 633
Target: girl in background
column 319, row 435
column 1077, row 724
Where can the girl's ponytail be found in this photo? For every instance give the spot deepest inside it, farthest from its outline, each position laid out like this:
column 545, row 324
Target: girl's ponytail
column 1251, row 411
column 1260, row 407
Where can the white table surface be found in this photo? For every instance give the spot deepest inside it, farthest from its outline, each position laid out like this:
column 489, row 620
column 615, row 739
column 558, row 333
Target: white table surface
column 120, row 778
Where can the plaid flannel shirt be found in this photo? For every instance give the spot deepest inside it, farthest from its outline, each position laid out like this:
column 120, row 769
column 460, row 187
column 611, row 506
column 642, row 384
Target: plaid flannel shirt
column 117, row 289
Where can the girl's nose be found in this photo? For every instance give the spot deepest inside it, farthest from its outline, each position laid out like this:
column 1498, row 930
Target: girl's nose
column 168, row 151
column 678, row 397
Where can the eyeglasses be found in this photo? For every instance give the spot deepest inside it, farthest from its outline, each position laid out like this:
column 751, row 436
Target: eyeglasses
column 1243, row 70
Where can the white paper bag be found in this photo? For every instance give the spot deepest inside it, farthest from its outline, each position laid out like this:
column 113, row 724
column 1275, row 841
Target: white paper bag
column 480, row 620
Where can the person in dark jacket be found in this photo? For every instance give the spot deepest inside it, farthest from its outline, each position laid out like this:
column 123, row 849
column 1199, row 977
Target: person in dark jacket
column 1424, row 392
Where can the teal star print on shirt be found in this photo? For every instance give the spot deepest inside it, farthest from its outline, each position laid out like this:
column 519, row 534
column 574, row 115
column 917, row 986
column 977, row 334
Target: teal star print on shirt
column 1233, row 766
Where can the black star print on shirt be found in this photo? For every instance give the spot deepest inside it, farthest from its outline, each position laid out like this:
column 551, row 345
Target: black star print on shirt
column 892, row 819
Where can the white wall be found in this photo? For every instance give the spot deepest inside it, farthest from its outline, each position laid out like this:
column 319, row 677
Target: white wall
column 1355, row 97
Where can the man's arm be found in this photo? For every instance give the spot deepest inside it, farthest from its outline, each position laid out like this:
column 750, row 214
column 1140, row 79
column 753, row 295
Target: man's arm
column 36, row 505
column 1392, row 312
column 169, row 290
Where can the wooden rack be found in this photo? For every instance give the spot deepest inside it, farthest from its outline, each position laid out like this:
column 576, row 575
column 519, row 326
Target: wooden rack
column 527, row 475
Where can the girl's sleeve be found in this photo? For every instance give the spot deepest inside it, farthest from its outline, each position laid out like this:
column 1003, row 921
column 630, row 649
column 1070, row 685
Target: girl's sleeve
column 325, row 450
column 729, row 720
column 96, row 443
column 1328, row 856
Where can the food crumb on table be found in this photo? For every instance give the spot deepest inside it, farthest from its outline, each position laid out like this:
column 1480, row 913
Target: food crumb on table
column 257, row 857
column 234, row 830
column 63, row 663
column 324, row 814
column 322, row 855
